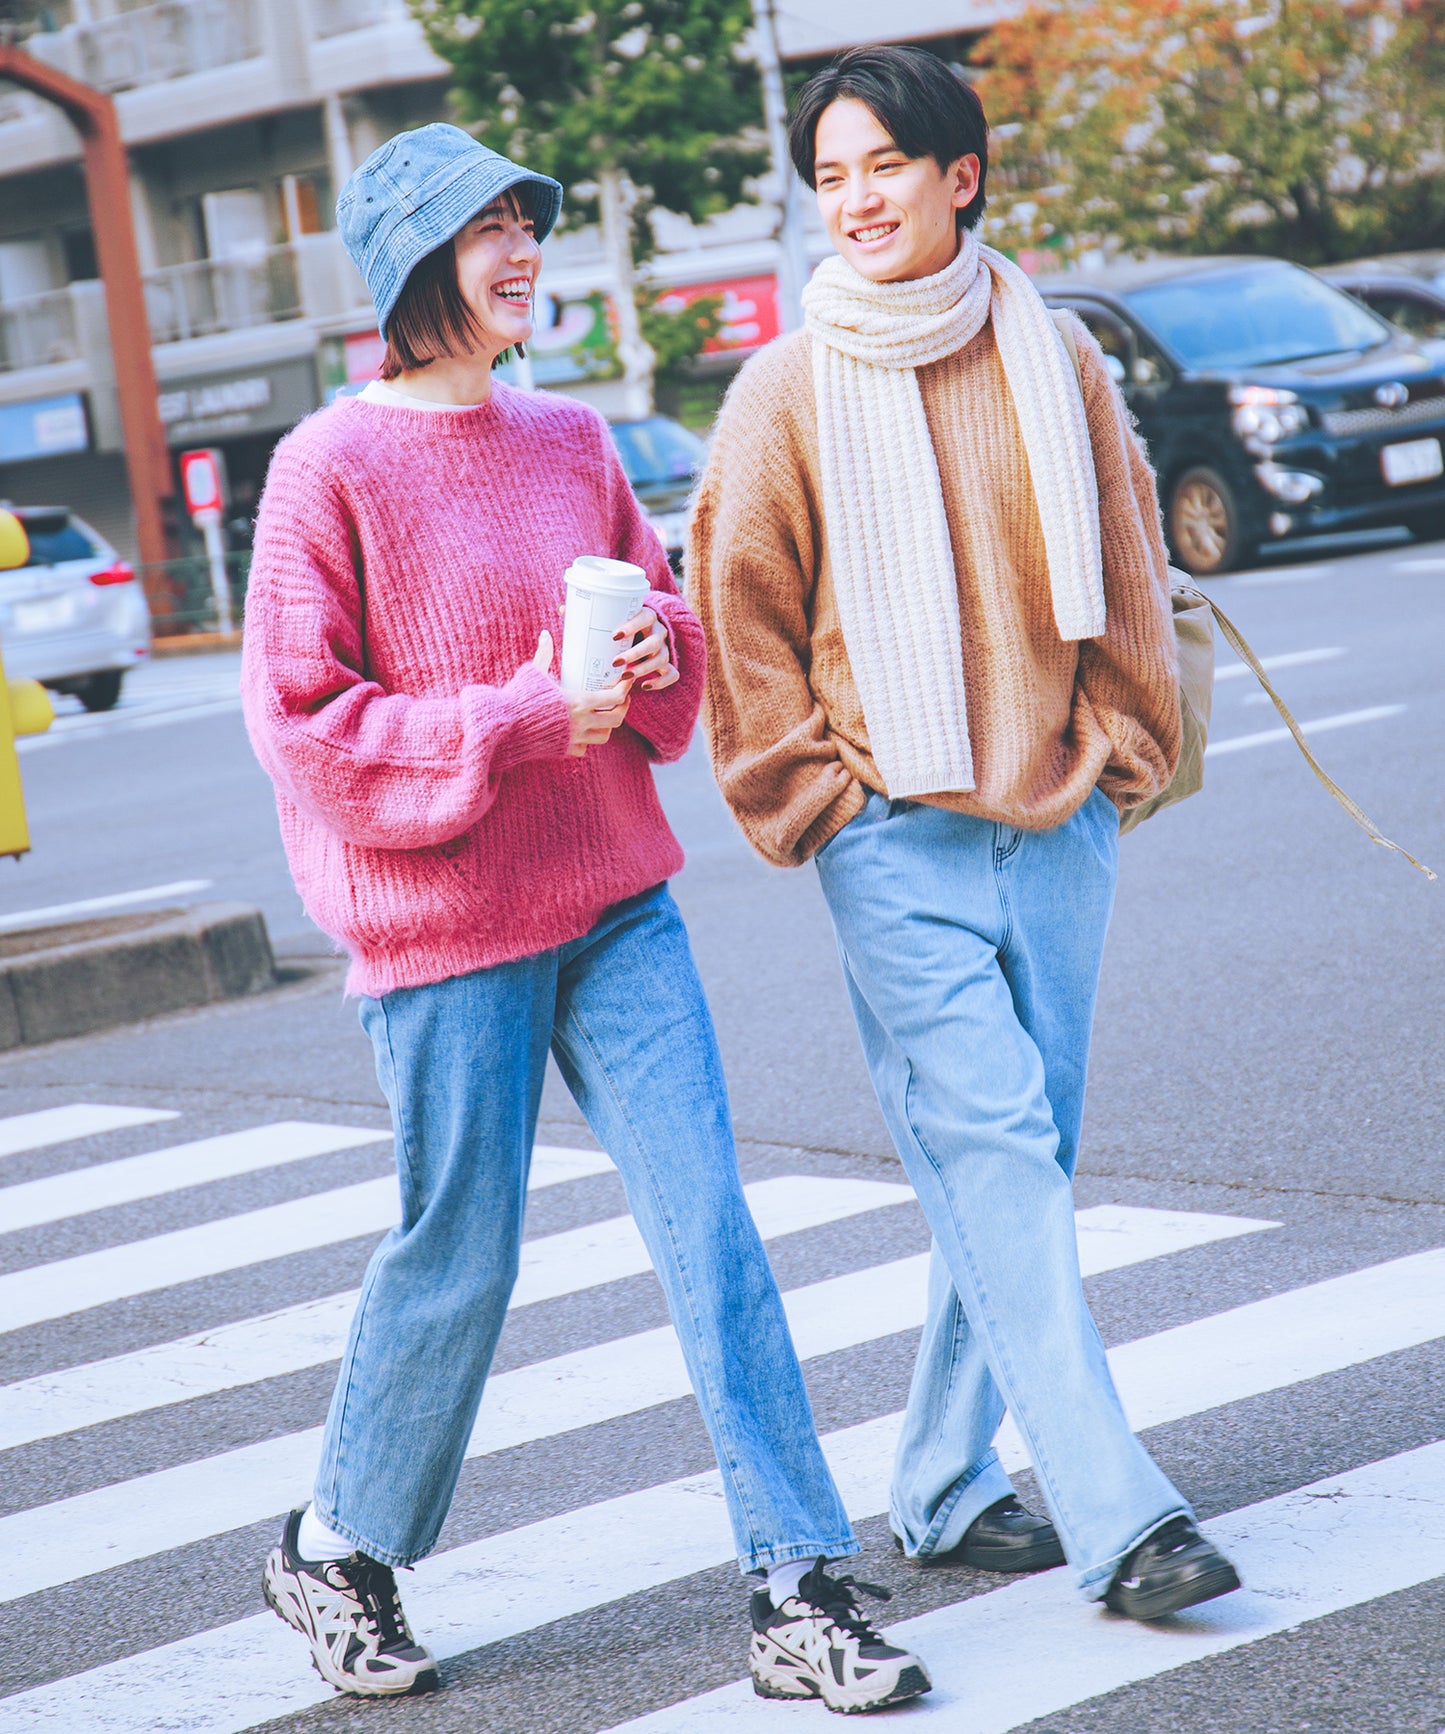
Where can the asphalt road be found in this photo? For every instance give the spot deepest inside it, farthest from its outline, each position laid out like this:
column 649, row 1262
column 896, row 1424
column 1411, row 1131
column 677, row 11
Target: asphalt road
column 1261, row 1188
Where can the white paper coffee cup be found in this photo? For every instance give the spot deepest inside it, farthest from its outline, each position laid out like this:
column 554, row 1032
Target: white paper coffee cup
column 601, row 594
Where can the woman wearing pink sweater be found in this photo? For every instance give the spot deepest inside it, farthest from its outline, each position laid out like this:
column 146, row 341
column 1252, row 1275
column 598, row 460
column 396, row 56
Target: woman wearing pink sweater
column 491, row 852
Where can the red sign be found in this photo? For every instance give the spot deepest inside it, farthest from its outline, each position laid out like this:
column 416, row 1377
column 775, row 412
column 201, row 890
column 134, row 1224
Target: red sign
column 749, row 312
column 201, row 482
column 364, row 351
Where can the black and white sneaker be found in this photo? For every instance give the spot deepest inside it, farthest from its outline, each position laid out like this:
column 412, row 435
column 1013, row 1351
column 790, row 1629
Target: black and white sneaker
column 1172, row 1569
column 818, row 1645
column 349, row 1612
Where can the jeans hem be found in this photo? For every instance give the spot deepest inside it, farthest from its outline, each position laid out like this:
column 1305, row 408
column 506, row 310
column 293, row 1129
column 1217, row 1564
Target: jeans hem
column 387, row 1556
column 1095, row 1582
column 969, row 1498
column 765, row 1558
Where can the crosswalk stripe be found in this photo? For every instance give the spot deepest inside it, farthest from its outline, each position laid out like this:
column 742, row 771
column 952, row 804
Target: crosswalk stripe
column 232, row 1677
column 82, row 1190
column 150, row 1514
column 45, row 1126
column 92, row 1279
column 314, row 1331
column 1003, row 1660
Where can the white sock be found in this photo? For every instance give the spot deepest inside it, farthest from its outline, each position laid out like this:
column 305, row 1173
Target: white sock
column 314, row 1541
column 783, row 1580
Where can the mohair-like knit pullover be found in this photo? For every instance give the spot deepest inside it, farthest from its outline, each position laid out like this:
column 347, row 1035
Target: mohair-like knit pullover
column 406, row 561
column 1048, row 720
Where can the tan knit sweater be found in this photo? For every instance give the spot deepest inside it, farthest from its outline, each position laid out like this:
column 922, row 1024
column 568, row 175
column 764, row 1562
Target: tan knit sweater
column 1048, row 720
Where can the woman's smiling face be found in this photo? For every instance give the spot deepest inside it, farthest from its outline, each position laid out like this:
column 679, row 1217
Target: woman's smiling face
column 498, row 260
column 891, row 216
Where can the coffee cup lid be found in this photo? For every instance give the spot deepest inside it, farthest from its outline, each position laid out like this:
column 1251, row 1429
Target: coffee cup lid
column 601, row 573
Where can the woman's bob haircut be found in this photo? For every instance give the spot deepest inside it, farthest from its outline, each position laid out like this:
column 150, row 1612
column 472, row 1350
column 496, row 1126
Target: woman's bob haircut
column 431, row 321
column 923, row 106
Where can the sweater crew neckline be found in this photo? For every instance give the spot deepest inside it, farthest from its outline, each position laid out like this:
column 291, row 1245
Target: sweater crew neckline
column 444, row 420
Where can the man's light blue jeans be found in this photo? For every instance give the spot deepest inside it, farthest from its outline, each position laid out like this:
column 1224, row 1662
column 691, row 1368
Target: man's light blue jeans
column 461, row 1063
column 972, row 954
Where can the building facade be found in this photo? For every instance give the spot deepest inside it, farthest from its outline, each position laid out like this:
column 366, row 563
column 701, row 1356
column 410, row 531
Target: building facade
column 242, row 119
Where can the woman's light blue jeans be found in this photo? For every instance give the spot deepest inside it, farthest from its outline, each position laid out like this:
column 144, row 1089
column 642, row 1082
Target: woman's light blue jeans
column 461, row 1063
column 972, row 954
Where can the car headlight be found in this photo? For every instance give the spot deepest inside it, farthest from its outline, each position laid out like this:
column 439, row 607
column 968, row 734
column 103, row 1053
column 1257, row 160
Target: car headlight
column 1265, row 414
column 1294, row 487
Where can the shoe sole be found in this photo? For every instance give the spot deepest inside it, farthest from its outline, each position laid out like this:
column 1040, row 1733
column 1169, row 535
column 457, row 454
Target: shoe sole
column 1040, row 1556
column 912, row 1682
column 1221, row 1580
column 428, row 1680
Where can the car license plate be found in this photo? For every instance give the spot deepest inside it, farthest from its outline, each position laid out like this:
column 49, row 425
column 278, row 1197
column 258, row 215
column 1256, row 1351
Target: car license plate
column 48, row 614
column 1415, row 461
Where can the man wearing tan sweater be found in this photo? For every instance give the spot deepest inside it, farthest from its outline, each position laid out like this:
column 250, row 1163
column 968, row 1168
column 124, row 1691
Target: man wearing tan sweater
column 929, row 562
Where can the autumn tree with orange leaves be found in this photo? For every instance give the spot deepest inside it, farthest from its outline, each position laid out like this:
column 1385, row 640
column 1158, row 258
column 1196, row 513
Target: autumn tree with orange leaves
column 1314, row 129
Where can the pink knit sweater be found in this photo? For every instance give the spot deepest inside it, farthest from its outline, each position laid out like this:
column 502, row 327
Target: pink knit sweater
column 405, row 562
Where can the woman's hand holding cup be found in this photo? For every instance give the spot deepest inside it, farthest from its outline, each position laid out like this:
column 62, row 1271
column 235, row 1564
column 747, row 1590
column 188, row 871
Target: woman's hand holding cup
column 647, row 662
column 594, row 715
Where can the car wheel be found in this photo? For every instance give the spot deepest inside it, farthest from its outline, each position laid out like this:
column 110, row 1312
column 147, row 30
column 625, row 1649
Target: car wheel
column 1204, row 524
column 100, row 691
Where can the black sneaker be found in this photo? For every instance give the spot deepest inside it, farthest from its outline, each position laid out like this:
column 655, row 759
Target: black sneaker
column 818, row 1645
column 1006, row 1537
column 350, row 1614
column 1172, row 1569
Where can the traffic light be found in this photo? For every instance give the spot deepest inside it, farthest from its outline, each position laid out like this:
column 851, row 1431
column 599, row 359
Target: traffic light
column 24, row 709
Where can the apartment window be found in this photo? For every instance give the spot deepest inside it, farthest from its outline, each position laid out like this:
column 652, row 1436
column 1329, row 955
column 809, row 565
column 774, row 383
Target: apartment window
column 78, row 245
column 307, row 202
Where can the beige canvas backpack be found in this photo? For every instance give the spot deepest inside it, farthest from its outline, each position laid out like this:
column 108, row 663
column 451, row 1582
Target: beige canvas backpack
column 1195, row 618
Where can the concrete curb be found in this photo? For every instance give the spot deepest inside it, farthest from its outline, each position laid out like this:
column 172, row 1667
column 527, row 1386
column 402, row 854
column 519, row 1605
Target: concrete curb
column 93, row 975
column 195, row 643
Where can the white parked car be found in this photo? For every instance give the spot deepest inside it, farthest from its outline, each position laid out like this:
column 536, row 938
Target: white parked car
column 74, row 617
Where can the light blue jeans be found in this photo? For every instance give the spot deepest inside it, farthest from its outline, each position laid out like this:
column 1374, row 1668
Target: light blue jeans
column 461, row 1063
column 972, row 954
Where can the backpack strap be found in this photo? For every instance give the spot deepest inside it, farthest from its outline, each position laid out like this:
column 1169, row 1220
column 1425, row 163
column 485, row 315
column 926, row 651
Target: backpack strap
column 1242, row 649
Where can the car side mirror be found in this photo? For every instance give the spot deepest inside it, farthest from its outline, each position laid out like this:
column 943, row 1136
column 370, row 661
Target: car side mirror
column 1146, row 371
column 1116, row 369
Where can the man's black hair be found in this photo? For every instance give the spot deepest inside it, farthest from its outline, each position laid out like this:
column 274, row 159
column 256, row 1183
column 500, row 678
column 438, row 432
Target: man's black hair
column 923, row 106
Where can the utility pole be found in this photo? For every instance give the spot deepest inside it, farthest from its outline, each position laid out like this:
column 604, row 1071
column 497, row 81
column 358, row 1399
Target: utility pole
column 792, row 249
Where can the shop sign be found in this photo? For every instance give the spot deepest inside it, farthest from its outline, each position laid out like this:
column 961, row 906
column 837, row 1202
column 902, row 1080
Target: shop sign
column 749, row 312
column 224, row 406
column 349, row 362
column 575, row 338
column 44, row 427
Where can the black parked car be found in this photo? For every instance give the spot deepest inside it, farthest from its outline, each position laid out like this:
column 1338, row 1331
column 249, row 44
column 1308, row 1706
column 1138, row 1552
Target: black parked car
column 662, row 459
column 1273, row 404
column 1408, row 289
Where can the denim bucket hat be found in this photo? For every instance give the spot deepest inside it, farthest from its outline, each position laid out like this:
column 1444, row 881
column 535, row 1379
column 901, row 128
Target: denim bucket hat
column 417, row 191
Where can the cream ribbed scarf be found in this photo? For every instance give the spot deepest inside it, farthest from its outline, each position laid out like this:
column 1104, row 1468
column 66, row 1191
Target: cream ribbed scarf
column 887, row 531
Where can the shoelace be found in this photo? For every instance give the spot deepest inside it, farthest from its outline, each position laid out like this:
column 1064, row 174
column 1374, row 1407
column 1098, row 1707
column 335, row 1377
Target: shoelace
column 837, row 1598
column 375, row 1588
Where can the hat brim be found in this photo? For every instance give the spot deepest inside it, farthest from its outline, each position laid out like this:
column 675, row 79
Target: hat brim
column 410, row 236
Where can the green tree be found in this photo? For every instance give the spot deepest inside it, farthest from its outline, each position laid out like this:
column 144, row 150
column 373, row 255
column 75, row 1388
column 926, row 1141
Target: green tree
column 630, row 104
column 677, row 337
column 1310, row 128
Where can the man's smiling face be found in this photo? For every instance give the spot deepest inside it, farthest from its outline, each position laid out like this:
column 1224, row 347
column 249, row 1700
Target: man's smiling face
column 892, row 217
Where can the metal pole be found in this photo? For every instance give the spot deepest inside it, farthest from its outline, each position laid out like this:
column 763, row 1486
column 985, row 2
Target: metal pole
column 792, row 248
column 210, row 527
column 148, row 464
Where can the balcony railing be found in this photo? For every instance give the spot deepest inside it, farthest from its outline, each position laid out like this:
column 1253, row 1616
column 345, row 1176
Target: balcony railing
column 38, row 331
column 222, row 295
column 167, row 41
column 336, row 17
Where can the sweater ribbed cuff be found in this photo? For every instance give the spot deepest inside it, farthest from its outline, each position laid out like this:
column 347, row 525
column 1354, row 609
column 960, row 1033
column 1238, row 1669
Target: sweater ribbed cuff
column 541, row 725
column 838, row 813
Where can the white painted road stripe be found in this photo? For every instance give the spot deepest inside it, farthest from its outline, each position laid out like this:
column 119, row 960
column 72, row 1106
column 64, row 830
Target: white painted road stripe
column 98, row 905
column 76, row 1120
column 104, row 1184
column 312, row 1332
column 92, row 1279
column 70, row 729
column 232, row 1677
column 134, row 1519
column 1003, row 1660
column 1321, row 725
column 1287, row 659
